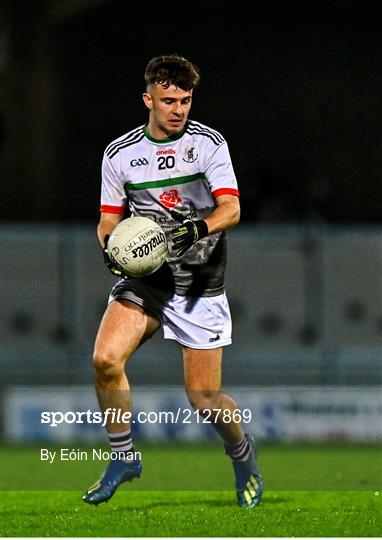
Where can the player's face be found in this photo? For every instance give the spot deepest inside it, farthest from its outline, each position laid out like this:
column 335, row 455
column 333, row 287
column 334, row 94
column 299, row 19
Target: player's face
column 169, row 108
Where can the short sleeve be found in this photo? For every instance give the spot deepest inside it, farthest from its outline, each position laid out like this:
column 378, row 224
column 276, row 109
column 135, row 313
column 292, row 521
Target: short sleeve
column 113, row 197
column 220, row 174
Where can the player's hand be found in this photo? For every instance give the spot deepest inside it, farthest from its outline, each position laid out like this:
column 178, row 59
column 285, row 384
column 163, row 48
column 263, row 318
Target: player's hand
column 187, row 234
column 113, row 266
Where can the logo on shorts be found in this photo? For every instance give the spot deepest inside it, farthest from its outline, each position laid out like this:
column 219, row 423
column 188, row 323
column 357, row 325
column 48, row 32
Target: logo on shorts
column 212, row 339
column 170, row 198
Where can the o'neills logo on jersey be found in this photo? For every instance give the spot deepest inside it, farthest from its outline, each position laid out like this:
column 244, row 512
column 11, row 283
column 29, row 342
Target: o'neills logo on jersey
column 167, row 152
column 169, row 199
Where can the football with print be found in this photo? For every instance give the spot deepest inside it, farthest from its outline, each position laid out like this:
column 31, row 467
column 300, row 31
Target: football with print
column 138, row 245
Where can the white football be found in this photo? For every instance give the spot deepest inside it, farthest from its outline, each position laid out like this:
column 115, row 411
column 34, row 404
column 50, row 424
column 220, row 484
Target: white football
column 139, row 245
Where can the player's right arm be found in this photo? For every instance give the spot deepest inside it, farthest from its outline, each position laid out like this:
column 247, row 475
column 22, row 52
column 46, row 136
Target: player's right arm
column 113, row 200
column 106, row 225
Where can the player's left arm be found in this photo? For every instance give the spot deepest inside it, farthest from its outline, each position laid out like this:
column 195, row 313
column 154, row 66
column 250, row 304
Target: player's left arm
column 222, row 183
column 225, row 215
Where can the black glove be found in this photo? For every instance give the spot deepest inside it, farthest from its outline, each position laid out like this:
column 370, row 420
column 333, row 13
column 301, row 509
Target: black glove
column 115, row 268
column 188, row 233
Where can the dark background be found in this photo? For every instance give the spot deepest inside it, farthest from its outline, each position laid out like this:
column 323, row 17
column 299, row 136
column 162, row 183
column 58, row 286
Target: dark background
column 295, row 88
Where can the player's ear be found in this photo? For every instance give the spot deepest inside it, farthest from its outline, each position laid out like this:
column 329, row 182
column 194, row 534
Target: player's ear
column 148, row 100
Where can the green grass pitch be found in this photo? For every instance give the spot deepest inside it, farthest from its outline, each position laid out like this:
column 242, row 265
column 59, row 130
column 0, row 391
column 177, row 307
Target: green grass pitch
column 186, row 491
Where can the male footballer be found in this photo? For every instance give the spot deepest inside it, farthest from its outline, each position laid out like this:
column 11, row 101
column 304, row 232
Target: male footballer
column 177, row 172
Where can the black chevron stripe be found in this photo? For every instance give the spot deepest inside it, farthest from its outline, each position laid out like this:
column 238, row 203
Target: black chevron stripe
column 128, row 137
column 204, row 134
column 196, row 125
column 130, row 143
column 204, row 128
column 125, row 139
column 219, row 139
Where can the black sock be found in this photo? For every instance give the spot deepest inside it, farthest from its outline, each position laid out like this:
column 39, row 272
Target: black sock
column 123, row 444
column 238, row 451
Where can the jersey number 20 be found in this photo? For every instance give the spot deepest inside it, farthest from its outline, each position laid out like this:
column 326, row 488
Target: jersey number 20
column 166, row 162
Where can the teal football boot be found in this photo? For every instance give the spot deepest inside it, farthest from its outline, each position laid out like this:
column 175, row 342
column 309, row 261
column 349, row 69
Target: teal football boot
column 249, row 482
column 115, row 474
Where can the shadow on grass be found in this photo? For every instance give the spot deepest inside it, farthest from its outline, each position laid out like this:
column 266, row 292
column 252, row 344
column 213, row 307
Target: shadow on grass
column 212, row 503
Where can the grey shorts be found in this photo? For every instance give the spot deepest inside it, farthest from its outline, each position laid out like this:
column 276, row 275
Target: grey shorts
column 198, row 323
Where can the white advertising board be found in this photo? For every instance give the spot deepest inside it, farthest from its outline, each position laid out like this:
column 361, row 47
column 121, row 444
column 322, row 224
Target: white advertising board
column 164, row 414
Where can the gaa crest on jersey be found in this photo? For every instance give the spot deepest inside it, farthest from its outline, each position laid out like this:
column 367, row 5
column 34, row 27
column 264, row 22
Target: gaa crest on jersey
column 170, row 198
column 189, row 155
column 139, row 162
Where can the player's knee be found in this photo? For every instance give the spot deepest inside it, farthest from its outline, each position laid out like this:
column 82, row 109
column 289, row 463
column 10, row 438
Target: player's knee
column 107, row 367
column 204, row 399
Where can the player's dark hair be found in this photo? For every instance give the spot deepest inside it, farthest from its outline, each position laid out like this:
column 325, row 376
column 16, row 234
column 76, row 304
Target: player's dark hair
column 170, row 70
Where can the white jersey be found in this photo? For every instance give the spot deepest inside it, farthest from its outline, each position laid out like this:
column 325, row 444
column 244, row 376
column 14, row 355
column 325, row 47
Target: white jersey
column 186, row 172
